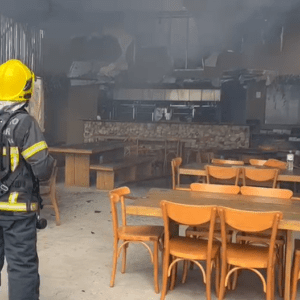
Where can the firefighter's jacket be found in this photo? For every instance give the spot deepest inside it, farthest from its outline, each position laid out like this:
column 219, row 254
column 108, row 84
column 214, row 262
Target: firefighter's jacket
column 30, row 159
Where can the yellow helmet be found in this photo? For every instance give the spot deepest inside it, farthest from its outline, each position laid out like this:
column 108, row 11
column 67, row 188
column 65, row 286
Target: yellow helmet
column 16, row 81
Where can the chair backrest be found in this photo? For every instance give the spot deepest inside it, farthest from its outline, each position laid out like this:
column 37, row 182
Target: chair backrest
column 215, row 188
column 175, row 163
column 222, row 173
column 190, row 215
column 227, row 162
column 275, row 163
column 257, row 162
column 249, row 221
column 116, row 196
column 253, row 176
column 266, row 192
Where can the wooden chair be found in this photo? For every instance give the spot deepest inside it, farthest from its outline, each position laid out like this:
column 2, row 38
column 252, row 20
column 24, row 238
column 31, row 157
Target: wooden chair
column 132, row 234
column 260, row 177
column 175, row 164
column 237, row 256
column 266, row 192
column 275, row 163
column 296, row 270
column 215, row 188
column 48, row 188
column 257, row 162
column 185, row 248
column 203, row 231
column 226, row 175
column 262, row 239
column 227, row 162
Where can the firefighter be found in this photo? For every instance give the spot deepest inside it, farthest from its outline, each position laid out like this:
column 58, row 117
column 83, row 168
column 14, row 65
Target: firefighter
column 24, row 161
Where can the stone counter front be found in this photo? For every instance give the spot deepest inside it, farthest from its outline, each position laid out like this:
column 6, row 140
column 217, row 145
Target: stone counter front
column 205, row 136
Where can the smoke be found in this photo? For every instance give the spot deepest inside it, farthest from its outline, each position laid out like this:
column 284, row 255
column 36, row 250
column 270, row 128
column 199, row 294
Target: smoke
column 223, row 24
column 214, row 26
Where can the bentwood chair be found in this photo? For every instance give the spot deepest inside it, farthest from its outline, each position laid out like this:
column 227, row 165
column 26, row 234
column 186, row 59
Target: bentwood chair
column 215, row 188
column 257, row 162
column 266, row 192
column 275, row 163
column 203, row 231
column 132, row 234
column 48, row 188
column 221, row 174
column 182, row 248
column 262, row 239
column 260, row 177
column 227, row 162
column 236, row 256
column 296, row 270
column 175, row 164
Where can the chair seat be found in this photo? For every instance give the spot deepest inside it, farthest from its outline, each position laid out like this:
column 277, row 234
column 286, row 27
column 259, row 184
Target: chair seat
column 190, row 248
column 140, row 233
column 247, row 256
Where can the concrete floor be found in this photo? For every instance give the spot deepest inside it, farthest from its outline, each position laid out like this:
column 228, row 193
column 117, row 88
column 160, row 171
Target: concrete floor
column 76, row 257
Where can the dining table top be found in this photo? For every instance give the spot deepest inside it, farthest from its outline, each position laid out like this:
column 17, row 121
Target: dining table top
column 87, row 148
column 149, row 205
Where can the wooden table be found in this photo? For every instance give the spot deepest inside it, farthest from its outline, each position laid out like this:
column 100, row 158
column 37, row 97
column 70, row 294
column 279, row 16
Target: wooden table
column 78, row 157
column 198, row 169
column 149, row 206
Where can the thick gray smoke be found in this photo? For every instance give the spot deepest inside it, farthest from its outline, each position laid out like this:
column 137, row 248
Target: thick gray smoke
column 214, row 25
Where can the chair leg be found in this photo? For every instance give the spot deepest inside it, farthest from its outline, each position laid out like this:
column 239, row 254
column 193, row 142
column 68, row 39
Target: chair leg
column 230, row 280
column 270, row 284
column 155, row 265
column 208, row 282
column 162, row 255
column 273, row 285
column 280, row 271
column 55, row 205
column 185, row 271
column 165, row 276
column 234, row 279
column 295, row 276
column 222, row 281
column 124, row 259
column 115, row 260
column 173, row 275
column 217, row 279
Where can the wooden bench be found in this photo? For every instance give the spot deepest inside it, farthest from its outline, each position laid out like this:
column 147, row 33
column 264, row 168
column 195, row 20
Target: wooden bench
column 128, row 169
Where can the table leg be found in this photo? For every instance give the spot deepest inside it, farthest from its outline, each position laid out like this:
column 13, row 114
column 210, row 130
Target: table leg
column 82, row 170
column 288, row 264
column 70, row 170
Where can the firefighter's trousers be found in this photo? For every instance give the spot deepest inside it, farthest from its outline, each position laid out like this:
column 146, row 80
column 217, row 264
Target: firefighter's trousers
column 18, row 244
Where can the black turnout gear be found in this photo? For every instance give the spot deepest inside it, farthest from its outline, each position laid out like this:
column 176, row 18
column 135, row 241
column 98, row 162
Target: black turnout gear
column 24, row 162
